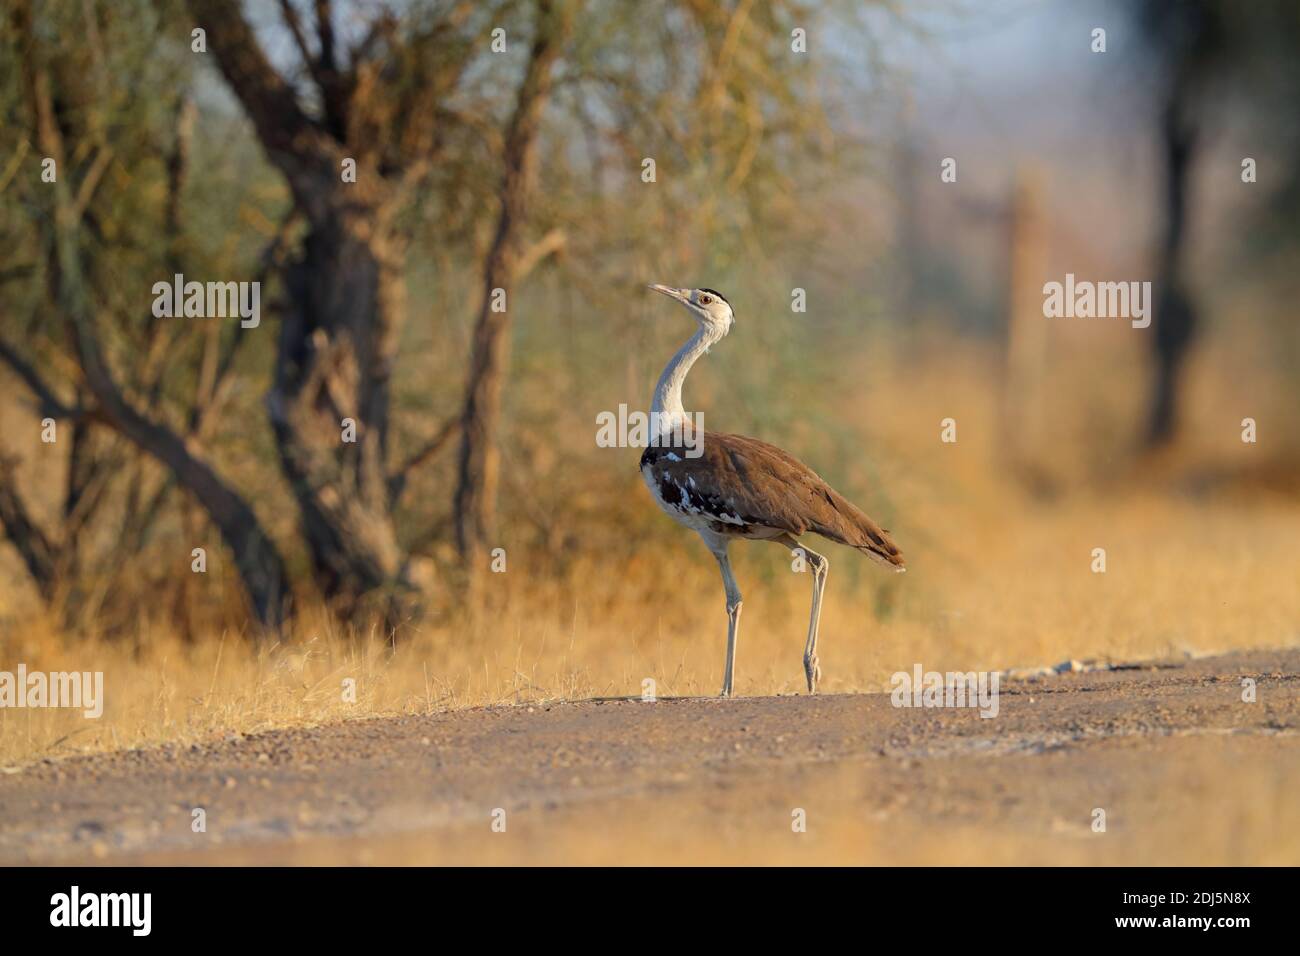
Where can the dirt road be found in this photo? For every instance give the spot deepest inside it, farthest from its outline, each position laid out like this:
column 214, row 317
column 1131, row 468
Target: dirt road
column 1169, row 756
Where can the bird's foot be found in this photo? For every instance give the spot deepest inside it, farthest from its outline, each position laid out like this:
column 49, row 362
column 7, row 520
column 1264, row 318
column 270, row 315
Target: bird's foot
column 812, row 672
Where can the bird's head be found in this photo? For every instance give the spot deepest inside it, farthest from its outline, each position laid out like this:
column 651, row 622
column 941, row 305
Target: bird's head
column 709, row 307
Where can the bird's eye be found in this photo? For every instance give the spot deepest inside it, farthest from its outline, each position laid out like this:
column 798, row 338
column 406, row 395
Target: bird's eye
column 705, row 299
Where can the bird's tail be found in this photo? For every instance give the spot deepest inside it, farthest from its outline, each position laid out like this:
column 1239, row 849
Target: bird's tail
column 855, row 529
column 891, row 559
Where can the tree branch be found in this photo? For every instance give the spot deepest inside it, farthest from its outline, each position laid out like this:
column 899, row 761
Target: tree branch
column 33, row 545
column 49, row 404
column 444, row 435
column 325, row 33
column 292, row 141
column 534, row 255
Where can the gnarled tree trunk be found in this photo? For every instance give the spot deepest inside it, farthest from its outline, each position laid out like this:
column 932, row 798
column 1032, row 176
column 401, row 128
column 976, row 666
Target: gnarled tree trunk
column 339, row 336
column 335, row 357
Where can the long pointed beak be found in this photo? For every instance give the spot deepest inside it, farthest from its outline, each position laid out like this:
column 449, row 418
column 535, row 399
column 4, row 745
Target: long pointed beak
column 681, row 295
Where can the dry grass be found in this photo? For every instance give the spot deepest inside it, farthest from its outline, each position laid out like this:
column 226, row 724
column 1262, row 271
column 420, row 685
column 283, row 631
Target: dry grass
column 997, row 579
column 1031, row 599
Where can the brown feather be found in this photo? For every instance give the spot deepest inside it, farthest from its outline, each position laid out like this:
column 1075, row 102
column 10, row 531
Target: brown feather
column 750, row 481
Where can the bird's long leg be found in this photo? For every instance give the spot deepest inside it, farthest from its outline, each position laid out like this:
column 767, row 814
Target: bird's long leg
column 733, row 616
column 820, row 568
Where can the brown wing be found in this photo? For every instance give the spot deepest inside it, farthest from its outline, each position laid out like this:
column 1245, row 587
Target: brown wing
column 749, row 480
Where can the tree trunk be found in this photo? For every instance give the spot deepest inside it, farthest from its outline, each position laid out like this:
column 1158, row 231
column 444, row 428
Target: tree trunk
column 336, row 352
column 338, row 339
column 1175, row 319
column 477, row 472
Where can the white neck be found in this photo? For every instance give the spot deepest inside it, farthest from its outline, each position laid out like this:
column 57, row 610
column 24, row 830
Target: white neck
column 667, row 404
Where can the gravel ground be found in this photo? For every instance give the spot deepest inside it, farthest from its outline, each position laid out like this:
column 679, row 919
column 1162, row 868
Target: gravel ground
column 705, row 780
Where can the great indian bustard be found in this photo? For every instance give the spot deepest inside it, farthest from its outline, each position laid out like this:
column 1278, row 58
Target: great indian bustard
column 729, row 486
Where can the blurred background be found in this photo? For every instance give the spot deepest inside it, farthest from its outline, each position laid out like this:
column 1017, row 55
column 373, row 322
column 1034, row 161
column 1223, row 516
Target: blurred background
column 503, row 145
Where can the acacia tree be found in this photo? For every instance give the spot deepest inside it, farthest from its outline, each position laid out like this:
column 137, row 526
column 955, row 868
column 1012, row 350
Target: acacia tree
column 377, row 124
column 1207, row 54
column 1191, row 45
column 392, row 105
column 65, row 115
column 383, row 120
